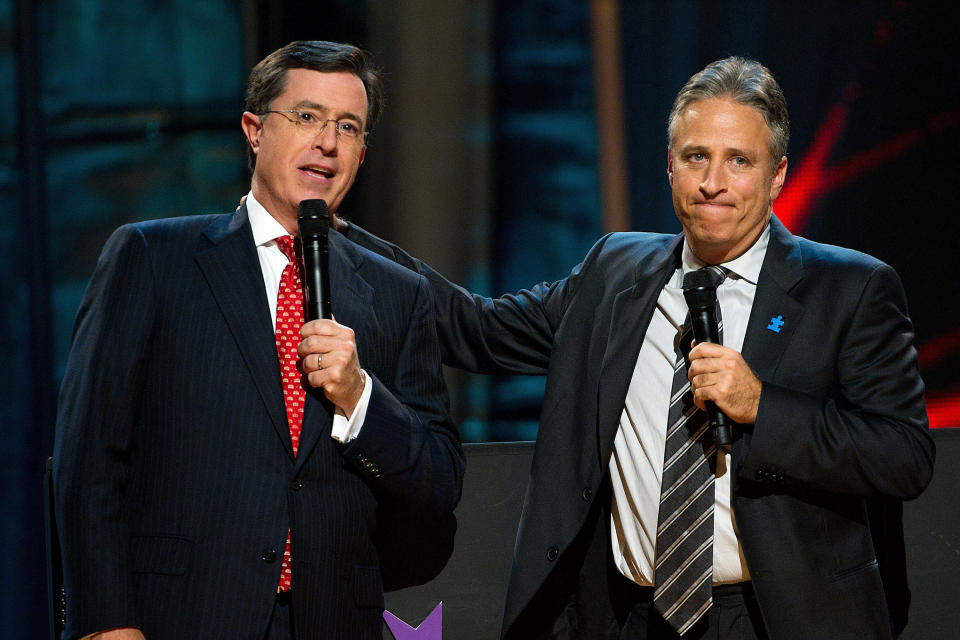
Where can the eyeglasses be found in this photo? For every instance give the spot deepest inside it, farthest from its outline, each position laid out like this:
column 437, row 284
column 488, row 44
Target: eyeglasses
column 311, row 124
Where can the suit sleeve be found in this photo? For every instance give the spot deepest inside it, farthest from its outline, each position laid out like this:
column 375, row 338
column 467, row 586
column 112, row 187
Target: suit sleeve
column 509, row 335
column 98, row 408
column 869, row 437
column 408, row 447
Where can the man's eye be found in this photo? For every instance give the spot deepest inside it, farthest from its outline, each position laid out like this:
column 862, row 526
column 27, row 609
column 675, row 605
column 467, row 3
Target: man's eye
column 697, row 157
column 306, row 117
column 348, row 128
column 740, row 161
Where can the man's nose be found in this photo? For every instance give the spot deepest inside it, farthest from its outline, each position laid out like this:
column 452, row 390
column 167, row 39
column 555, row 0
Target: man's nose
column 713, row 180
column 326, row 140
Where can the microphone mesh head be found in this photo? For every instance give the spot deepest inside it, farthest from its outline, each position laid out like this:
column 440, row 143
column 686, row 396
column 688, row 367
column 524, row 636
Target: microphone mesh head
column 699, row 279
column 700, row 289
column 313, row 218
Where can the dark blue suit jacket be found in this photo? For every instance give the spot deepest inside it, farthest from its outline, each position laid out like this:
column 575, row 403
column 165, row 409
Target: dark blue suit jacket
column 840, row 438
column 174, row 473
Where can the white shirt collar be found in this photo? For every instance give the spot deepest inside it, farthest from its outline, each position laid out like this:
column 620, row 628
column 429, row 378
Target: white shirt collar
column 265, row 227
column 746, row 266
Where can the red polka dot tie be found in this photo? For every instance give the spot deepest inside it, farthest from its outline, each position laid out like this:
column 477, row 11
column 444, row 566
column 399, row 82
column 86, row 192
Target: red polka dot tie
column 289, row 321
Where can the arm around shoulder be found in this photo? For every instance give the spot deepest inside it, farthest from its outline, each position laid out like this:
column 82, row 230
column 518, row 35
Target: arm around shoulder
column 512, row 334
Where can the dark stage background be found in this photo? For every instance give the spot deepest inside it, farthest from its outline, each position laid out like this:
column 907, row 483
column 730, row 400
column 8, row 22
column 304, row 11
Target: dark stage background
column 515, row 135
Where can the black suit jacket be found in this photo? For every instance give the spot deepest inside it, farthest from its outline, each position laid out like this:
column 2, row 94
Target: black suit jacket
column 174, row 473
column 841, row 433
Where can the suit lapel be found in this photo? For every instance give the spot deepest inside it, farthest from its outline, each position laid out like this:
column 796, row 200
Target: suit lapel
column 351, row 295
column 775, row 314
column 632, row 310
column 351, row 300
column 232, row 270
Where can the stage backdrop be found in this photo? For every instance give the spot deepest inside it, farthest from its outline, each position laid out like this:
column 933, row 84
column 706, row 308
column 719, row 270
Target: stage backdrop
column 486, row 164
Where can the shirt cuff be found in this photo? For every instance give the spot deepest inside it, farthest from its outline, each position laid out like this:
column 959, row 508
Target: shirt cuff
column 346, row 429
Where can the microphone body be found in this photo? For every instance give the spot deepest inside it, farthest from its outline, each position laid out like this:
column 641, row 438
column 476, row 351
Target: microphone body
column 314, row 223
column 700, row 292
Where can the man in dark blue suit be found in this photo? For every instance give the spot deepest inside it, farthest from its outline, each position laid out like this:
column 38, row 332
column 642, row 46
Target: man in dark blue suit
column 180, row 479
column 801, row 534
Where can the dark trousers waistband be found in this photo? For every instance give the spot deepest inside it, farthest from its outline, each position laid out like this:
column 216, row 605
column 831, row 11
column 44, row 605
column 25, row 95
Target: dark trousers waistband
column 738, row 590
column 734, row 614
column 721, row 592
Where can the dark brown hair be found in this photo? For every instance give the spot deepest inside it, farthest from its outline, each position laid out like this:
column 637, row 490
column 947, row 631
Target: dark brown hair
column 268, row 77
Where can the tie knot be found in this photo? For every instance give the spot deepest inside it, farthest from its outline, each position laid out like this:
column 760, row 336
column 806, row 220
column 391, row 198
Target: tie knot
column 285, row 244
column 717, row 273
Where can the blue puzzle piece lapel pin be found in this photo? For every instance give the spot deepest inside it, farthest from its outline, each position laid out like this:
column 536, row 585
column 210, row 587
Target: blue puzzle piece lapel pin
column 776, row 324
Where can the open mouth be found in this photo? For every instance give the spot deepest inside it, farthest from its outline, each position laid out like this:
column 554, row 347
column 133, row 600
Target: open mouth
column 317, row 172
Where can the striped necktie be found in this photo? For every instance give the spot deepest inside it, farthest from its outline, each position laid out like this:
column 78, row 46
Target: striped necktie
column 683, row 580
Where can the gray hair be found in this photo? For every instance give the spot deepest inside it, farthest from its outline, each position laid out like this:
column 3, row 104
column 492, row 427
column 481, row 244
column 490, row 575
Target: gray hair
column 746, row 82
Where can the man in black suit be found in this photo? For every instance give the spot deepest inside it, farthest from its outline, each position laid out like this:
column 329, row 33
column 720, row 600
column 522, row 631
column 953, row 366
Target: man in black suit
column 817, row 369
column 196, row 495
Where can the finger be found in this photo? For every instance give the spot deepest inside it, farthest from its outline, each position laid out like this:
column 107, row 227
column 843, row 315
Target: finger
column 310, row 362
column 696, row 351
column 708, row 392
column 701, row 382
column 328, row 378
column 706, row 350
column 320, row 327
column 318, row 344
column 316, row 378
column 699, row 400
column 703, row 366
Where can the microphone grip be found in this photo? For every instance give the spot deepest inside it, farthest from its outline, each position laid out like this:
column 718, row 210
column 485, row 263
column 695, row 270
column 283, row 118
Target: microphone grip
column 314, row 224
column 316, row 275
column 703, row 321
column 720, row 424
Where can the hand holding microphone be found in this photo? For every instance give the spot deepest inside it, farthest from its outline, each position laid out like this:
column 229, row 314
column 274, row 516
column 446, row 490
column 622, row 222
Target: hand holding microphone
column 719, row 376
column 700, row 292
column 328, row 350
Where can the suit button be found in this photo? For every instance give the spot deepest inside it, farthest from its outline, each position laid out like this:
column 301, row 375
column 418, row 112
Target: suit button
column 296, row 485
column 269, row 556
column 552, row 554
column 586, row 494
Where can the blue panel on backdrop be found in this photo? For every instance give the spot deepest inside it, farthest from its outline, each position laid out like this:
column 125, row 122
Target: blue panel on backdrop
column 545, row 155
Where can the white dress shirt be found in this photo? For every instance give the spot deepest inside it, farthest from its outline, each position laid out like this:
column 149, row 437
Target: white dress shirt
column 636, row 466
column 266, row 230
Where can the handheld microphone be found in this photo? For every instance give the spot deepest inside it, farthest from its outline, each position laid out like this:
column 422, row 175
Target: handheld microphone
column 314, row 223
column 700, row 292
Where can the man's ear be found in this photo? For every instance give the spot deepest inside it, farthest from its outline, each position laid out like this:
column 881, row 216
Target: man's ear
column 363, row 154
column 779, row 175
column 252, row 128
column 669, row 167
